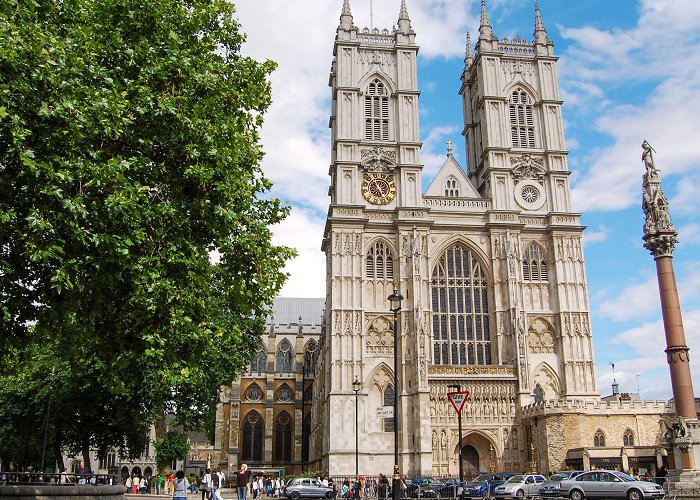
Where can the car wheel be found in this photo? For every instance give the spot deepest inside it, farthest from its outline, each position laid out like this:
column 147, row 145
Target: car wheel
column 519, row 494
column 576, row 495
column 329, row 494
column 634, row 495
column 295, row 495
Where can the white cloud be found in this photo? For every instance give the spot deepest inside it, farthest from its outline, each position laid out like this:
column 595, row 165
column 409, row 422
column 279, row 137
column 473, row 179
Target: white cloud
column 690, row 234
column 687, row 195
column 596, row 236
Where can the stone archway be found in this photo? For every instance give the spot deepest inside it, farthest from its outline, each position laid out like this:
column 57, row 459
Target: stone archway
column 476, row 447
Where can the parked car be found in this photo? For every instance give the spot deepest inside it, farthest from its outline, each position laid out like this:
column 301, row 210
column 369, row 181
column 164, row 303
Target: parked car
column 451, row 487
column 522, row 485
column 305, row 487
column 482, row 486
column 609, row 484
column 550, row 488
column 423, row 487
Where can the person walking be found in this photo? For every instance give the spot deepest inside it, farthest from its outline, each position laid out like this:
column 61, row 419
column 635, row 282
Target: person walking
column 242, row 476
column 206, row 485
column 180, row 486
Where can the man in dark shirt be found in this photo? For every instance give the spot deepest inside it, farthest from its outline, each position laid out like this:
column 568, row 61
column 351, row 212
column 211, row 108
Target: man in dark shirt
column 242, row 477
column 81, row 473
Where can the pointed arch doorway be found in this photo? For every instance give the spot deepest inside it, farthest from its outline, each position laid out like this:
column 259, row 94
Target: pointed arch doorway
column 470, row 461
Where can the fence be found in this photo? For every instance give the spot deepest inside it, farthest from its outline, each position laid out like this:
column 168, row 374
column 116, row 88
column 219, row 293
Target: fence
column 38, row 478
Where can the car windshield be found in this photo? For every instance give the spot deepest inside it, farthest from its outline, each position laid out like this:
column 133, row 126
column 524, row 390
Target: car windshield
column 625, row 477
column 516, row 479
column 558, row 477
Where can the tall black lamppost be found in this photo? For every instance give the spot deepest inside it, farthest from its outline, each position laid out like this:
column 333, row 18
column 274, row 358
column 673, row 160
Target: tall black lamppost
column 52, row 376
column 356, row 386
column 395, row 306
column 458, row 388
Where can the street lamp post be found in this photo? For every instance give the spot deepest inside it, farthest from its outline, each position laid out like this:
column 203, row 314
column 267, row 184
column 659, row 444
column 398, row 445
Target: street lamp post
column 356, row 386
column 52, row 376
column 395, row 306
column 458, row 388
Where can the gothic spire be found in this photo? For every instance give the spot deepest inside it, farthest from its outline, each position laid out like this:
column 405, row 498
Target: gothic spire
column 469, row 54
column 404, row 24
column 660, row 236
column 485, row 31
column 540, row 32
column 346, row 16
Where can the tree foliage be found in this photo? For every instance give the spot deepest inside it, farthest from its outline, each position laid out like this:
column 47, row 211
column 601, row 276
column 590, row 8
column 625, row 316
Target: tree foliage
column 174, row 446
column 129, row 152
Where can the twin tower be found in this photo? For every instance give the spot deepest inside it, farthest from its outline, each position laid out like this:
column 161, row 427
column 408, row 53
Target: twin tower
column 489, row 260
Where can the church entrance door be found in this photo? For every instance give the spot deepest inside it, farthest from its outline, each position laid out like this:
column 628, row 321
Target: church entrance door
column 470, row 461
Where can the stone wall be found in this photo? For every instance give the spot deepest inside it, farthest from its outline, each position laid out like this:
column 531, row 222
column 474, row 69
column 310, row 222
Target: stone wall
column 82, row 491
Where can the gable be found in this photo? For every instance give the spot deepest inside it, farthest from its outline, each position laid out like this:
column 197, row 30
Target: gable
column 451, row 171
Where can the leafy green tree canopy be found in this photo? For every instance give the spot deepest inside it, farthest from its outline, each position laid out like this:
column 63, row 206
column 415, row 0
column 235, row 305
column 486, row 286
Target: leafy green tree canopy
column 174, row 446
column 129, row 153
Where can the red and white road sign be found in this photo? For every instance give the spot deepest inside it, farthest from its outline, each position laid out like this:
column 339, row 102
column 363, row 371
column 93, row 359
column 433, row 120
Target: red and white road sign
column 457, row 399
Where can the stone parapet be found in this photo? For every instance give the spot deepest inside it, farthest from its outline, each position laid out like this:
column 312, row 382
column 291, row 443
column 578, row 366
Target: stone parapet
column 46, row 492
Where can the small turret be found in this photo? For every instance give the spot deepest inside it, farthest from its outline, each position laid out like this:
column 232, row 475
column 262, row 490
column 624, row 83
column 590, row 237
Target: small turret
column 540, row 32
column 346, row 21
column 485, row 31
column 469, row 53
column 404, row 24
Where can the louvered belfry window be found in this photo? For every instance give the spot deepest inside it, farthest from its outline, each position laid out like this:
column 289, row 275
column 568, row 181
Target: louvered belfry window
column 376, row 112
column 534, row 264
column 522, row 122
column 379, row 264
column 461, row 333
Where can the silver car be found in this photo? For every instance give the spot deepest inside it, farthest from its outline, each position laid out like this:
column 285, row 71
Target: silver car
column 304, row 487
column 608, row 484
column 522, row 485
column 550, row 488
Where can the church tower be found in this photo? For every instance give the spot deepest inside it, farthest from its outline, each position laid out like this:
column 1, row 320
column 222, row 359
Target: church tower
column 489, row 260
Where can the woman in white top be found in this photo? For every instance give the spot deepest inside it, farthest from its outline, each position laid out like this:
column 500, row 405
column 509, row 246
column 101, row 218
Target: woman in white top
column 180, row 484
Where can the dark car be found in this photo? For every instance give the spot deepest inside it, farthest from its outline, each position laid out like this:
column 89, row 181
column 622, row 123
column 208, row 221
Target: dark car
column 423, row 487
column 609, row 484
column 304, row 487
column 452, row 487
column 482, row 486
column 550, row 488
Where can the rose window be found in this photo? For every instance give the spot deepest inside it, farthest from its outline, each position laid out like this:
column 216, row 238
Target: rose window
column 530, row 194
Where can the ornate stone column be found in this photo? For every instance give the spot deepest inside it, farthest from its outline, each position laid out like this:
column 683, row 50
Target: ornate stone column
column 660, row 238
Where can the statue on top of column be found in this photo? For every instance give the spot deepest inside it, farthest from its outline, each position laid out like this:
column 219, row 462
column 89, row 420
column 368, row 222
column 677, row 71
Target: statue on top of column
column 660, row 236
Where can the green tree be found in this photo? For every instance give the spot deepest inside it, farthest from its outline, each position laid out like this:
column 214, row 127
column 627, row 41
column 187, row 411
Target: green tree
column 174, row 446
column 129, row 154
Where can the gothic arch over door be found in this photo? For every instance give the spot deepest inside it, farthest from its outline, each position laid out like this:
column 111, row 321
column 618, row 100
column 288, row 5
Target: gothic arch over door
column 470, row 459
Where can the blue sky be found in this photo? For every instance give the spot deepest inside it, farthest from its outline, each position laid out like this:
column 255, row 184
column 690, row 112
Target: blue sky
column 629, row 70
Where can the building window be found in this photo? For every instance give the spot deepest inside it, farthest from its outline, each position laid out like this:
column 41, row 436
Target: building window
column 283, row 438
column 599, row 439
column 461, row 334
column 379, row 264
column 452, row 187
column 522, row 123
column 253, row 393
column 285, row 394
column 376, row 112
column 534, row 263
column 310, row 357
column 628, row 438
column 306, row 432
column 389, row 401
column 252, row 440
column 258, row 365
column 284, row 357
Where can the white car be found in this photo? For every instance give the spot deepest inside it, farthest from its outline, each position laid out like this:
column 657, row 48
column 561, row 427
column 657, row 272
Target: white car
column 520, row 486
column 609, row 484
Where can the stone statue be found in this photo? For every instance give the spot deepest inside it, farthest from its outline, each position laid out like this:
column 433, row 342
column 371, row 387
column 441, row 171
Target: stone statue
column 648, row 159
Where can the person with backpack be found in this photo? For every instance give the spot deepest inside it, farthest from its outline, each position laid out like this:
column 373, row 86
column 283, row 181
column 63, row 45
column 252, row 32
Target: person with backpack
column 180, row 486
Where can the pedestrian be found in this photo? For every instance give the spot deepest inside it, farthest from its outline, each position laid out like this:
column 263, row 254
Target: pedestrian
column 180, row 485
column 242, row 476
column 222, row 483
column 206, row 485
column 261, row 486
column 135, row 482
column 81, row 473
column 661, row 475
column 215, row 484
column 254, row 485
column 127, row 483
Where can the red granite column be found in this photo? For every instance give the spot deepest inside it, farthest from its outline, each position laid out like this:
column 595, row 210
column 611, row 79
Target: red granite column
column 676, row 349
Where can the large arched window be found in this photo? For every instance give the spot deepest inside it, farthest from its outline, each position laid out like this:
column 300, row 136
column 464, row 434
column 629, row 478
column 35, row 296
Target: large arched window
column 284, row 357
column 252, row 439
column 389, row 401
column 258, row 365
column 599, row 438
column 306, row 432
column 376, row 112
column 310, row 357
column 379, row 264
column 534, row 263
column 460, row 308
column 283, row 438
column 522, row 122
column 628, row 438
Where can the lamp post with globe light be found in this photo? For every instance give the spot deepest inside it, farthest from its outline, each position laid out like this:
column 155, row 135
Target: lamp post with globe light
column 395, row 307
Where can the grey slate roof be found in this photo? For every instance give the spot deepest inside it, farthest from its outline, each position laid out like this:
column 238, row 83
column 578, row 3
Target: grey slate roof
column 287, row 310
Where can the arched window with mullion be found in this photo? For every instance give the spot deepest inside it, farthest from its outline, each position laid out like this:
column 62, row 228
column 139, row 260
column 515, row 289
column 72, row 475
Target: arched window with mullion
column 283, row 438
column 460, row 307
column 252, row 437
column 376, row 111
column 284, row 357
column 522, row 122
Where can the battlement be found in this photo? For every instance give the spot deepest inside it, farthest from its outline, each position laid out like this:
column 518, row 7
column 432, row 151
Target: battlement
column 595, row 406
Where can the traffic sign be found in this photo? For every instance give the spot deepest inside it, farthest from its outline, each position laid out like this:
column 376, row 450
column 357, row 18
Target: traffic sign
column 457, row 399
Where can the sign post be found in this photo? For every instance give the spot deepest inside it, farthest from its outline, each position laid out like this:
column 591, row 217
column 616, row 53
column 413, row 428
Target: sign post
column 458, row 398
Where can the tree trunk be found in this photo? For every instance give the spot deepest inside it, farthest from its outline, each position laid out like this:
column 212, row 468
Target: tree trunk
column 60, row 464
column 86, row 453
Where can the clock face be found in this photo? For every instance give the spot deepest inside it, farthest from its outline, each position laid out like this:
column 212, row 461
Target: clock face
column 378, row 189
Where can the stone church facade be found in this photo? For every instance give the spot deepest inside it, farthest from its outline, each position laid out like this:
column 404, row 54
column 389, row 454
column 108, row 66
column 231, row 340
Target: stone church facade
column 490, row 262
